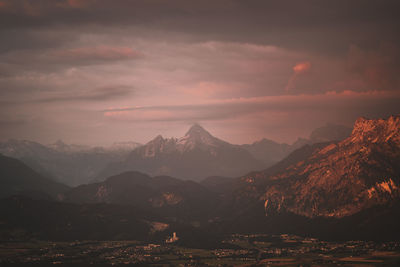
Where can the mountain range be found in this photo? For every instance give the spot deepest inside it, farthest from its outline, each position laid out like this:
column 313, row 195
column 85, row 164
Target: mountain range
column 194, row 156
column 66, row 163
column 129, row 206
column 334, row 179
column 198, row 154
column 344, row 178
column 334, row 189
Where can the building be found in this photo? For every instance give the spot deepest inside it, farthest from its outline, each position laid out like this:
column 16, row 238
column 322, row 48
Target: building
column 172, row 239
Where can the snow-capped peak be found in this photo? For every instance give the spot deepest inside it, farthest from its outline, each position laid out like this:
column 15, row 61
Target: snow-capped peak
column 197, row 136
column 196, row 129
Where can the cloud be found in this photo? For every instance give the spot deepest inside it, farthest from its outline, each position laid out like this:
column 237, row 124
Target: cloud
column 79, row 3
column 96, row 53
column 229, row 60
column 375, row 68
column 98, row 94
column 301, row 67
column 306, row 25
column 11, row 122
column 298, row 69
column 347, row 101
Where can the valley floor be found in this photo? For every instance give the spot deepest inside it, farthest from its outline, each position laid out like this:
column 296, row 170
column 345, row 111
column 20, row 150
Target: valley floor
column 235, row 250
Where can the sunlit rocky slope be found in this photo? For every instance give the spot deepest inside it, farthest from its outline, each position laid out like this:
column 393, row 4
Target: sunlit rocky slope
column 334, row 179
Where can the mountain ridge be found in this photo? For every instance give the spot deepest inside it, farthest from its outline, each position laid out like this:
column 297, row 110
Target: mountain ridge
column 17, row 178
column 68, row 164
column 194, row 156
column 170, row 196
column 336, row 179
column 271, row 152
column 322, row 189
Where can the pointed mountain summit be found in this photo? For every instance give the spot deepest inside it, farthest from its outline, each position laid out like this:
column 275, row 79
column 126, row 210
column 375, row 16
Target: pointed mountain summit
column 196, row 155
column 197, row 129
column 198, row 138
column 199, row 133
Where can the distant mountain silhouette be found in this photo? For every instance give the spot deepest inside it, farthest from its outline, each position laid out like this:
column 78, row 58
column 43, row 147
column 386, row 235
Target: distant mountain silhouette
column 271, row 152
column 16, row 178
column 194, row 156
column 69, row 164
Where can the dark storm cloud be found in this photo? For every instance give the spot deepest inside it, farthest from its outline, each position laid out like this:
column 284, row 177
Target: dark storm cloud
column 308, row 24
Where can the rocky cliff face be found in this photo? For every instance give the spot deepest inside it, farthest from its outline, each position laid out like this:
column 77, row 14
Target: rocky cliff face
column 376, row 131
column 336, row 179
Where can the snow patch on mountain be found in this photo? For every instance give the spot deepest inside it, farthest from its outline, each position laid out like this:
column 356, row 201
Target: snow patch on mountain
column 196, row 138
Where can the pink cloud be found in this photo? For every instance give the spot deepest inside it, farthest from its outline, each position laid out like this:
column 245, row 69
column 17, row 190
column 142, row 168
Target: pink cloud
column 237, row 107
column 301, row 67
column 141, row 115
column 208, row 89
column 298, row 69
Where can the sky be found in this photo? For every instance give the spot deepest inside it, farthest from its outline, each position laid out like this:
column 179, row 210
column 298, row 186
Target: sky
column 96, row 71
